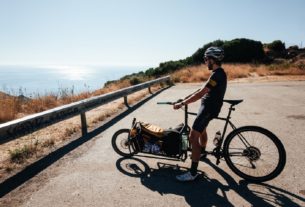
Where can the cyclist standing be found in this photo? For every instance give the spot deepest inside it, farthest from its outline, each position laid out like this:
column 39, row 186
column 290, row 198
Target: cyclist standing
column 211, row 95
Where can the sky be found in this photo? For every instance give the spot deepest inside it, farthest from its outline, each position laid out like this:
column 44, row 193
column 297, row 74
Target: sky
column 137, row 32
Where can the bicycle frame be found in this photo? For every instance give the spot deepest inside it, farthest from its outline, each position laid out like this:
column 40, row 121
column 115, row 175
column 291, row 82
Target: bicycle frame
column 227, row 119
column 217, row 151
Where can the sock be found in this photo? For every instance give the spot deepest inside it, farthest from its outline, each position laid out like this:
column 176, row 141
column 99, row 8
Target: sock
column 194, row 168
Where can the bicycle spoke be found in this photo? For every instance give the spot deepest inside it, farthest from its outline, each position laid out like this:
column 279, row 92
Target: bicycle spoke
column 123, row 143
column 253, row 153
column 242, row 165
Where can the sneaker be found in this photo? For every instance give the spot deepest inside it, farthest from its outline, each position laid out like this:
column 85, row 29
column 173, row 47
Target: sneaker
column 186, row 177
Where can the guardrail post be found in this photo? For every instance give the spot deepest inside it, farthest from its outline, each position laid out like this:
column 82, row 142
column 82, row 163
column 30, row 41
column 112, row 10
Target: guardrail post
column 126, row 101
column 84, row 123
column 149, row 90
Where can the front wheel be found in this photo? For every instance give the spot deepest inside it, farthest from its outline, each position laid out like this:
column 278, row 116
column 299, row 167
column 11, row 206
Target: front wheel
column 122, row 143
column 254, row 153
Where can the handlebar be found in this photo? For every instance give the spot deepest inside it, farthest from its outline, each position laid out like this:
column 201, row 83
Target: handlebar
column 168, row 103
column 172, row 103
column 231, row 102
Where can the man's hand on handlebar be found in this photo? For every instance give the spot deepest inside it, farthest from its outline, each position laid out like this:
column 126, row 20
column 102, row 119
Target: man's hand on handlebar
column 178, row 104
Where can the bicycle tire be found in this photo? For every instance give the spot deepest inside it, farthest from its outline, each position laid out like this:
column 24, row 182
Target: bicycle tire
column 124, row 143
column 253, row 152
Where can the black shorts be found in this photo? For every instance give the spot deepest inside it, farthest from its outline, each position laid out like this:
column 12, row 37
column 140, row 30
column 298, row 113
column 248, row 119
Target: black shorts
column 202, row 120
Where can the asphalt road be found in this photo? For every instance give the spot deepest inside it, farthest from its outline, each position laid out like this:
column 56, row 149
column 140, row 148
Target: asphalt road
column 97, row 176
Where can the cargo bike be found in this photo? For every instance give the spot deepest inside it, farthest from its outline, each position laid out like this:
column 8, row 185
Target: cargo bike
column 252, row 152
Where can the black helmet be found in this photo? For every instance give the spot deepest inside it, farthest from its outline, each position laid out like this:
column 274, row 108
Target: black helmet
column 214, row 52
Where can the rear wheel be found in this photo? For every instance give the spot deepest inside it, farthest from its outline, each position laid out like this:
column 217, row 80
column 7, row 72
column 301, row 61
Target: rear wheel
column 254, row 153
column 122, row 143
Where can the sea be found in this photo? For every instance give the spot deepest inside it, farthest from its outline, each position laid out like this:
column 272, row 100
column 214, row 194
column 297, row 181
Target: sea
column 33, row 81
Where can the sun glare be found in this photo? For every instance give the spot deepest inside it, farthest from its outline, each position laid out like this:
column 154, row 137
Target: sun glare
column 73, row 73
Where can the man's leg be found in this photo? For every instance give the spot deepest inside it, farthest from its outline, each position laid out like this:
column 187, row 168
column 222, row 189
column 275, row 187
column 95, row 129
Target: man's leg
column 196, row 148
column 197, row 131
column 203, row 144
column 196, row 151
column 204, row 139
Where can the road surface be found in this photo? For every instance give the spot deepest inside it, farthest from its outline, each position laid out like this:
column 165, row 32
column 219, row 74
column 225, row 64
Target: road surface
column 94, row 175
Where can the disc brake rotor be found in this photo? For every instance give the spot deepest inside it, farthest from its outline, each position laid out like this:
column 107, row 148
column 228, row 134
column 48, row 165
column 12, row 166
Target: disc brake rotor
column 252, row 153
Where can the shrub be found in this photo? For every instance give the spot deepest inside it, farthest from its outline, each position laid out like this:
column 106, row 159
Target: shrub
column 21, row 154
column 134, row 81
column 276, row 46
column 149, row 72
column 277, row 49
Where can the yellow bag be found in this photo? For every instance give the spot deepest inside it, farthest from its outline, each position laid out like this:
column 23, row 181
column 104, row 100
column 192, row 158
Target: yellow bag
column 152, row 129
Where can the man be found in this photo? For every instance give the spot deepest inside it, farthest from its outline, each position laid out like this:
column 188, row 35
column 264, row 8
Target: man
column 211, row 94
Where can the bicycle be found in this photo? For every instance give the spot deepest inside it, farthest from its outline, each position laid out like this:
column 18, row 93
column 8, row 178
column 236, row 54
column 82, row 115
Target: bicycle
column 254, row 159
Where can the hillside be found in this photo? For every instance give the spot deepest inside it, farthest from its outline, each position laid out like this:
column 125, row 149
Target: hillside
column 273, row 56
column 244, row 58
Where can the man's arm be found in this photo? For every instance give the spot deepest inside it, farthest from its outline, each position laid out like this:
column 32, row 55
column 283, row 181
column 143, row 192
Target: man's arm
column 212, row 82
column 192, row 97
column 196, row 96
column 192, row 94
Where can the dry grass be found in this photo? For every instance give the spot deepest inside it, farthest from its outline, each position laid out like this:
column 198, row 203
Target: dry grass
column 9, row 106
column 191, row 74
column 13, row 107
column 201, row 73
column 70, row 131
column 235, row 71
column 48, row 143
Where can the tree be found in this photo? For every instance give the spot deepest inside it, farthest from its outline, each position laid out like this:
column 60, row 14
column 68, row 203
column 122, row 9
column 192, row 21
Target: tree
column 243, row 50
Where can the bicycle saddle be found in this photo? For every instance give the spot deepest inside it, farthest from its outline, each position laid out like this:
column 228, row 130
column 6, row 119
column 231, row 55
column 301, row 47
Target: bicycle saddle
column 233, row 102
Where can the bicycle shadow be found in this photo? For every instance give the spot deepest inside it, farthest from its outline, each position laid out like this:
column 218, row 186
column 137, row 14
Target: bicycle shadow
column 204, row 191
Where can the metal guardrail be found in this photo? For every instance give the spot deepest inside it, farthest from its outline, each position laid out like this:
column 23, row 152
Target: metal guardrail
column 26, row 125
